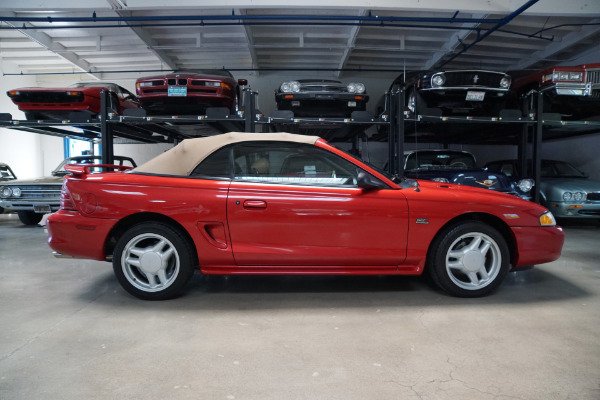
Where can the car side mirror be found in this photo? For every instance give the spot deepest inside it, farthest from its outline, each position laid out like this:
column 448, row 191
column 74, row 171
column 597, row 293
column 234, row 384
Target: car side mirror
column 242, row 82
column 367, row 182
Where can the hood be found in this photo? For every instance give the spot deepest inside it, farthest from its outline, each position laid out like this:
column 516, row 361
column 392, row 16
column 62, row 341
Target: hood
column 46, row 179
column 570, row 184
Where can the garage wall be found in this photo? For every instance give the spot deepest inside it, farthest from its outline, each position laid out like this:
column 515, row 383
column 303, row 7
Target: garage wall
column 29, row 155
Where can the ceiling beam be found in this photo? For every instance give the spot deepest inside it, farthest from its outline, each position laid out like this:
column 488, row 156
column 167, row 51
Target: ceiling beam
column 558, row 46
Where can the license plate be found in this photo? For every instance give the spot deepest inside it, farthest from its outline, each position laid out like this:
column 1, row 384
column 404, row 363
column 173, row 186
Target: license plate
column 42, row 209
column 177, row 91
column 475, row 96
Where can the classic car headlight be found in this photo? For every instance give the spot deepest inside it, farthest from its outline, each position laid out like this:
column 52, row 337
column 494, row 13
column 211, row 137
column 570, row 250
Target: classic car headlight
column 505, row 82
column 567, row 196
column 579, row 197
column 291, row 86
column 567, row 76
column 525, row 185
column 443, row 180
column 438, row 80
column 5, row 191
column 16, row 192
column 356, row 87
column 547, row 219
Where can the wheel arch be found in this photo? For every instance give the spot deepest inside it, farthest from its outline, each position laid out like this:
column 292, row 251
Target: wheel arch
column 493, row 221
column 123, row 225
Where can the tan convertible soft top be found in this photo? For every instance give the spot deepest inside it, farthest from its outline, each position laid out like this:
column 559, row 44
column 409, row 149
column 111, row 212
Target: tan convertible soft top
column 183, row 158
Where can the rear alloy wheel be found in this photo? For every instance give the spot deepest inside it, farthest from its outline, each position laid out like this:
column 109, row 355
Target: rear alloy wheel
column 153, row 261
column 470, row 259
column 29, row 217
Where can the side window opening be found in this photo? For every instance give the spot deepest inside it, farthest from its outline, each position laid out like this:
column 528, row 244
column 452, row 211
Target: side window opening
column 291, row 163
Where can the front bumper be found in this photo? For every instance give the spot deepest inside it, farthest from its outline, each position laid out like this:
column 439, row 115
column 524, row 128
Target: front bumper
column 42, row 207
column 586, row 210
column 537, row 244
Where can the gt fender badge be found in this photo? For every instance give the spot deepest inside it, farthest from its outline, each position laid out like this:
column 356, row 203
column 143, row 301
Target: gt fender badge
column 422, row 220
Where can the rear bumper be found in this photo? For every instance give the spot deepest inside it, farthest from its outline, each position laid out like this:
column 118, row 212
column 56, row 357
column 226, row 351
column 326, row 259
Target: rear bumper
column 71, row 234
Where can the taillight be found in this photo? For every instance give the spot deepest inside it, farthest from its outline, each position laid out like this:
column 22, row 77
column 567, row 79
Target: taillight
column 66, row 201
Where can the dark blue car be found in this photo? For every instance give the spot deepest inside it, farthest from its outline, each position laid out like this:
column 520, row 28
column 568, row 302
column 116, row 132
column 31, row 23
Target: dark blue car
column 456, row 166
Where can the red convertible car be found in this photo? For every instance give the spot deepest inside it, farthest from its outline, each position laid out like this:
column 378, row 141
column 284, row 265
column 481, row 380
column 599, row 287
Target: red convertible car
column 58, row 103
column 277, row 203
column 190, row 92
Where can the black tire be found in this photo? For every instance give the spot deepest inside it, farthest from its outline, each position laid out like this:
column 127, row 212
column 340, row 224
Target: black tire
column 139, row 252
column 415, row 102
column 29, row 217
column 469, row 259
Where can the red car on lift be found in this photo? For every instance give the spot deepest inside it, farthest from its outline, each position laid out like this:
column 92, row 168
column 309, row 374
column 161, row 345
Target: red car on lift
column 277, row 203
column 572, row 91
column 190, row 92
column 40, row 103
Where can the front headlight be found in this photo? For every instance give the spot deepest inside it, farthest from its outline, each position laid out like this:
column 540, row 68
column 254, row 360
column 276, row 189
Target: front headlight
column 567, row 196
column 525, row 185
column 505, row 83
column 443, row 180
column 355, row 87
column 579, row 197
column 212, row 83
column 143, row 84
column 16, row 192
column 5, row 191
column 547, row 219
column 438, row 80
column 289, row 87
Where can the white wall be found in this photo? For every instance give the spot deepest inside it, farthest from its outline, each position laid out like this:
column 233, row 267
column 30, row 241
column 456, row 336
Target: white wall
column 29, row 155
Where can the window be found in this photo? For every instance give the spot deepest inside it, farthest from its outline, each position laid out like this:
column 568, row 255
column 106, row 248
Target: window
column 291, row 163
column 216, row 165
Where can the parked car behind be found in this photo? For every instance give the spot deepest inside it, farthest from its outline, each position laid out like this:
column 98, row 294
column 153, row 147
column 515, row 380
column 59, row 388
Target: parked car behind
column 455, row 93
column 457, row 166
column 563, row 188
column 31, row 199
column 190, row 92
column 58, row 103
column 6, row 174
column 277, row 203
column 572, row 91
column 321, row 98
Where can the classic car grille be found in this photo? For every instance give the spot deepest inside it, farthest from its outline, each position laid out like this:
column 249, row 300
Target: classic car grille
column 593, row 196
column 178, row 82
column 47, row 97
column 321, row 88
column 38, row 192
column 468, row 79
column 592, row 76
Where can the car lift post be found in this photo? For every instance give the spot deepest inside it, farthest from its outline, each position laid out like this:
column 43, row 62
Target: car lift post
column 107, row 137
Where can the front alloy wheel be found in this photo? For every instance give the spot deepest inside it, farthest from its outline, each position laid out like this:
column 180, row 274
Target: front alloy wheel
column 153, row 261
column 469, row 260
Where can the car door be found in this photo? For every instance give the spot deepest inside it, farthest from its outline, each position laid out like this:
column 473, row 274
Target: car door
column 299, row 205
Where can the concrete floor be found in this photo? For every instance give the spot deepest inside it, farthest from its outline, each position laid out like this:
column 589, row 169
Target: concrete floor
column 68, row 331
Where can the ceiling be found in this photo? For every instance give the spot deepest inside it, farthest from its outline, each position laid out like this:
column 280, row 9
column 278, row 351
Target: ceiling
column 116, row 39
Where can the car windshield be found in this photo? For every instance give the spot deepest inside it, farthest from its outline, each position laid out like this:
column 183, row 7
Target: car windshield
column 6, row 173
column 93, row 84
column 555, row 169
column 437, row 160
